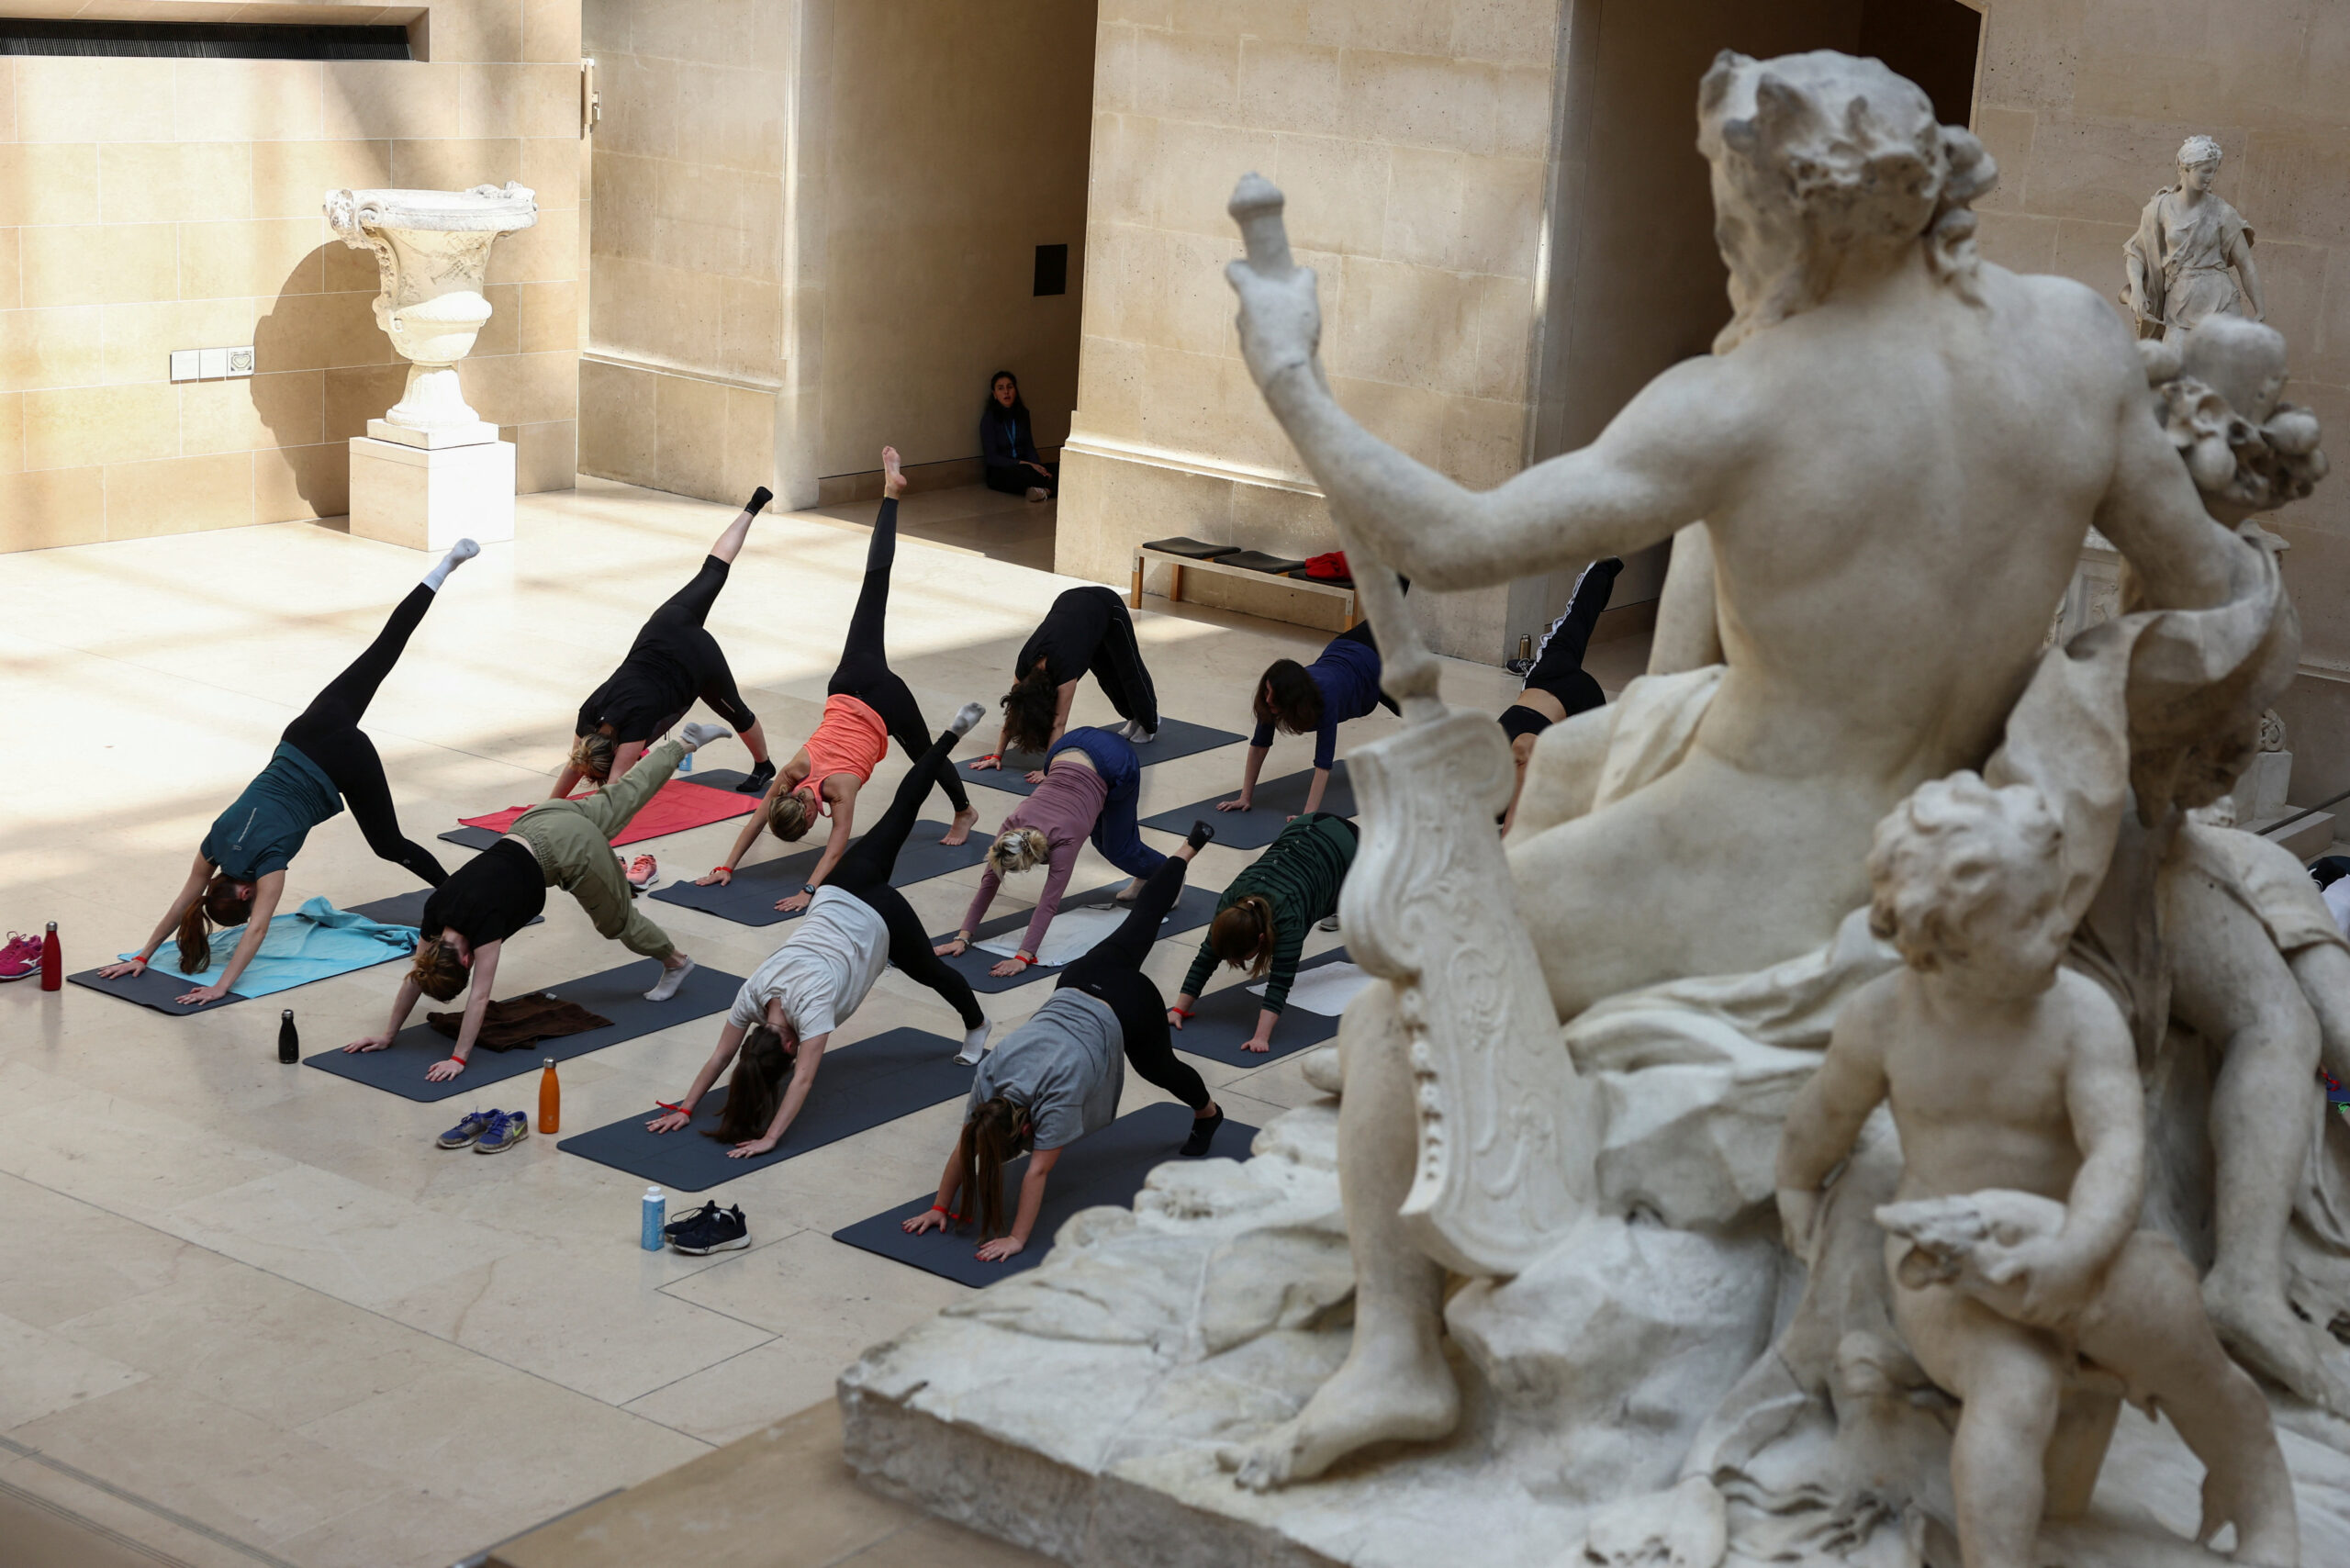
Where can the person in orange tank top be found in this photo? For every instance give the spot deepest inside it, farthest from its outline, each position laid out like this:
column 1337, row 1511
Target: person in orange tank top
column 867, row 705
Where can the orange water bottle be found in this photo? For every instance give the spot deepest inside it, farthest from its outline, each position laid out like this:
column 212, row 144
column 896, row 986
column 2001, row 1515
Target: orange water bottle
column 550, row 1098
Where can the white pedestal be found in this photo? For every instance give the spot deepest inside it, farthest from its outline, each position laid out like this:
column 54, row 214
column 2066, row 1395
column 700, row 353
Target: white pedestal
column 428, row 499
column 474, row 434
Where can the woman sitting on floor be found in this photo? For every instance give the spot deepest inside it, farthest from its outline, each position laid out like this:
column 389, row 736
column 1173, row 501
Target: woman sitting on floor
column 1090, row 783
column 1058, row 1076
column 1008, row 444
column 867, row 705
column 1262, row 918
column 1087, row 628
column 856, row 926
column 561, row 844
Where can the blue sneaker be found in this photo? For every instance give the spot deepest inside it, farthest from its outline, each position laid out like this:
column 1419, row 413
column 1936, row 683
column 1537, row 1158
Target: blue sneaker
column 503, row 1133
column 475, row 1124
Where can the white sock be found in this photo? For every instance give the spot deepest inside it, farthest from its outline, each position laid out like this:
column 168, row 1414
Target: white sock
column 967, row 715
column 670, row 981
column 975, row 1043
column 464, row 550
column 696, row 736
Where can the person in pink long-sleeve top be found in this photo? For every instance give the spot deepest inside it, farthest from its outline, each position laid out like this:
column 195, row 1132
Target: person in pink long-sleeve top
column 1088, row 791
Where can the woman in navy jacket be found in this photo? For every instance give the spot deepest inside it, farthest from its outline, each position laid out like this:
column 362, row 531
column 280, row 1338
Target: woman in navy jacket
column 1010, row 448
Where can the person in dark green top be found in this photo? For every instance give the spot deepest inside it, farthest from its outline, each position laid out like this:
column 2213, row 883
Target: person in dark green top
column 1262, row 918
column 323, row 762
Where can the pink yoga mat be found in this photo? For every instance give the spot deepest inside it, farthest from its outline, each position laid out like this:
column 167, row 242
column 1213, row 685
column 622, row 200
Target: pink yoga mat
column 675, row 807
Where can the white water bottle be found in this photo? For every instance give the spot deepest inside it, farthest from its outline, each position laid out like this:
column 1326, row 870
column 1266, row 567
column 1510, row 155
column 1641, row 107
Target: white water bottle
column 656, row 1208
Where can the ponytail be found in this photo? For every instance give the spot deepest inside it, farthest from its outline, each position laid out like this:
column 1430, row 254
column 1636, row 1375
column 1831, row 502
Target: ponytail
column 219, row 905
column 793, row 813
column 436, row 969
column 1243, row 935
column 754, row 1089
column 990, row 1139
column 592, row 756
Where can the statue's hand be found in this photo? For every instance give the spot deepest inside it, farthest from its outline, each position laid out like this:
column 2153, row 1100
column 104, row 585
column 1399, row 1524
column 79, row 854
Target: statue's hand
column 2059, row 1280
column 1281, row 320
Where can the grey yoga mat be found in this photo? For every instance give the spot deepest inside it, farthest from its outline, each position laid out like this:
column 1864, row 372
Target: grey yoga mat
column 1225, row 1019
column 1106, row 1167
column 1178, row 738
column 858, row 1087
column 750, row 898
column 716, row 777
column 1193, row 910
column 1273, row 805
column 152, row 988
column 617, row 994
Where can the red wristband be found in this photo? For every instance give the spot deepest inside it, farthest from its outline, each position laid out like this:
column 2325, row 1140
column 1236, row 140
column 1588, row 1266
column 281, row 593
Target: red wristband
column 460, row 1061
column 679, row 1109
column 1183, row 1012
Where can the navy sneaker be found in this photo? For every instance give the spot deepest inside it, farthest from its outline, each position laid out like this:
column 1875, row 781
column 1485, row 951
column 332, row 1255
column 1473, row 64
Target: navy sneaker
column 475, row 1124
column 691, row 1218
column 505, row 1130
column 715, row 1230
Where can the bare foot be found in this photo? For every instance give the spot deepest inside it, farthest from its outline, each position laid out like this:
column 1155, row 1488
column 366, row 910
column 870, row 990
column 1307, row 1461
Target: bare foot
column 893, row 479
column 964, row 820
column 2260, row 1331
column 1376, row 1397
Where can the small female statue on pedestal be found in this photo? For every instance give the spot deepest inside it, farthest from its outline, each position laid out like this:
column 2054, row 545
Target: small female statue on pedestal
column 2187, row 240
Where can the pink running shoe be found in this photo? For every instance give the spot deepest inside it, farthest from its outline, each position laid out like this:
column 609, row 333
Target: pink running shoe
column 20, row 959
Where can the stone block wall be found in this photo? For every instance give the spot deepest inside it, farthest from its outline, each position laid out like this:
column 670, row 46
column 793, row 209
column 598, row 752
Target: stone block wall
column 2085, row 103
column 686, row 298
column 1413, row 138
column 147, row 205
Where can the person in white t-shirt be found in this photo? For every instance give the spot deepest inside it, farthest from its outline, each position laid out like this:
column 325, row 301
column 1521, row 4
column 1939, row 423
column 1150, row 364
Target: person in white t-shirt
column 856, row 926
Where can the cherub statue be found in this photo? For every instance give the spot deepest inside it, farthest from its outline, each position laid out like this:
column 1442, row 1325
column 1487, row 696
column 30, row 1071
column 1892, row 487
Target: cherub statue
column 2019, row 1271
column 1884, row 416
column 2179, row 260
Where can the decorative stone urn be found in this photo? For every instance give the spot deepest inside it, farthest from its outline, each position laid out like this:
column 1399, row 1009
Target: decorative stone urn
column 432, row 247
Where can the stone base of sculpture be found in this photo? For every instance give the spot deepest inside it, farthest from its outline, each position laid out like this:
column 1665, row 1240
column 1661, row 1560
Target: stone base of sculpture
column 428, row 498
column 473, row 433
column 1079, row 1410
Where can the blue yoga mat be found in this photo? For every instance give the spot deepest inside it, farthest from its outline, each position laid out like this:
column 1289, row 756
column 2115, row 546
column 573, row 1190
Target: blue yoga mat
column 315, row 942
column 1195, row 909
column 1274, row 802
column 1225, row 1019
column 1106, row 1167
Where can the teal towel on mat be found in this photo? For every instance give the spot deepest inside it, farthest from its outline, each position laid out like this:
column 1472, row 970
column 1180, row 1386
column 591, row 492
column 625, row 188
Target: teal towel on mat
column 313, row 943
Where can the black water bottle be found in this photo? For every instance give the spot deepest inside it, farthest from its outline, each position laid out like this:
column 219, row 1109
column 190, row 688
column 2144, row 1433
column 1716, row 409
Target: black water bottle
column 289, row 1045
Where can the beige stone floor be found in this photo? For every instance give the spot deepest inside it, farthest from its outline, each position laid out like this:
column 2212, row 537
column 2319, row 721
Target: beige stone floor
column 249, row 1313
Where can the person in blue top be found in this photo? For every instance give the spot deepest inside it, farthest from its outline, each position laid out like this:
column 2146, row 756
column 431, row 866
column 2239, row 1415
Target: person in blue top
column 1313, row 699
column 1009, row 447
column 323, row 762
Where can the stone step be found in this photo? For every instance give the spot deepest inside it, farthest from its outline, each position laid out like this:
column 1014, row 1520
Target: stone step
column 2308, row 838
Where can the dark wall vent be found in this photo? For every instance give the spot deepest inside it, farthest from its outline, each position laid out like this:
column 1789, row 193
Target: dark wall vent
column 203, row 40
column 1052, row 269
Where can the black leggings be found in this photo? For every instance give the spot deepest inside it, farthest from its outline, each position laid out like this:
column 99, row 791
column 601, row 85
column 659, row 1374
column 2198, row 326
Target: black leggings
column 864, row 671
column 1561, row 658
column 1021, row 479
column 1111, row 971
column 1118, row 668
column 328, row 733
column 675, row 629
column 864, row 874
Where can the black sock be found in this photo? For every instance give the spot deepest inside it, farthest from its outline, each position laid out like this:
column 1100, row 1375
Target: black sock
column 1202, row 1134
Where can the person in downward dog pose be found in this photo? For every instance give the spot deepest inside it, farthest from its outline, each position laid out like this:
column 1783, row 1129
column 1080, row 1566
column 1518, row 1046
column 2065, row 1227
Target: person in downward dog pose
column 323, row 762
column 1087, row 628
column 1057, row 1077
column 1558, row 686
column 856, row 925
column 1262, row 918
column 2014, row 1085
column 866, row 704
column 556, row 844
column 673, row 661
column 1090, row 785
column 1313, row 699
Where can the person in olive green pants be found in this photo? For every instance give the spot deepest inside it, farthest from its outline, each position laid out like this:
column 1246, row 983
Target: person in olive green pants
column 573, row 841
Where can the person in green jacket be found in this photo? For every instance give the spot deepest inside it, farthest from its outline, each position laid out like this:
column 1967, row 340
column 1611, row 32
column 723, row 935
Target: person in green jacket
column 1262, row 918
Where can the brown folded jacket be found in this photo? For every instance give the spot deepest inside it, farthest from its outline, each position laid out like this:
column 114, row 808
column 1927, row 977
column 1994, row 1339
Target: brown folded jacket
column 519, row 1020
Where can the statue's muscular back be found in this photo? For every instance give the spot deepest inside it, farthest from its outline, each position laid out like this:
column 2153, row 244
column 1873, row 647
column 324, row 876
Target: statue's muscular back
column 1897, row 510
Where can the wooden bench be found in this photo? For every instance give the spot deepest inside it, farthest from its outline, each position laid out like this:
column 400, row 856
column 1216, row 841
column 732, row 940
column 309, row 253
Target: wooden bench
column 1143, row 556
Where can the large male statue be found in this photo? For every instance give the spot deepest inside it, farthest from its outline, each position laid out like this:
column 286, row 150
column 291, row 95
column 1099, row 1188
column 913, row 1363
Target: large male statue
column 1897, row 451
